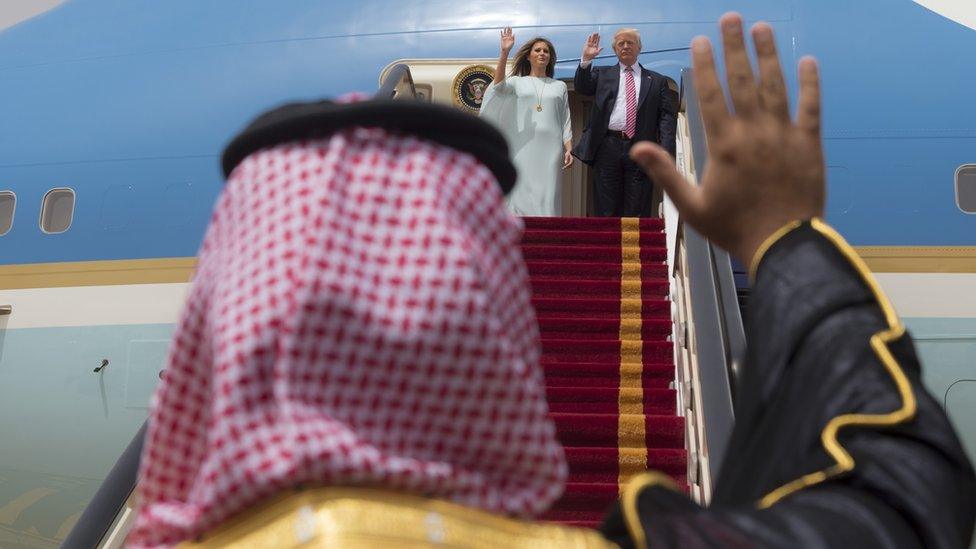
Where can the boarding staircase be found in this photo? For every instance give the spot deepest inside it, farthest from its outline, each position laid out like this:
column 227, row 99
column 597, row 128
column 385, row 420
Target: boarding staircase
column 600, row 291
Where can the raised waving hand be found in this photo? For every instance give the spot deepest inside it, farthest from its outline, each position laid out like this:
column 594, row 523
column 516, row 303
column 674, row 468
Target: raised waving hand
column 507, row 42
column 763, row 169
column 507, row 39
column 591, row 48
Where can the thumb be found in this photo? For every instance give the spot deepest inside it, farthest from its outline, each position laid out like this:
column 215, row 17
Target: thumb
column 659, row 166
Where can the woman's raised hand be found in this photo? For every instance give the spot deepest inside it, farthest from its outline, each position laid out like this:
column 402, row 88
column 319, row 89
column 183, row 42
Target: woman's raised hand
column 592, row 47
column 508, row 39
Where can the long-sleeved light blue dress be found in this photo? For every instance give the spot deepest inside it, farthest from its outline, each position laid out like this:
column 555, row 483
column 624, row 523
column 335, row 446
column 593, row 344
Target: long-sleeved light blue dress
column 535, row 138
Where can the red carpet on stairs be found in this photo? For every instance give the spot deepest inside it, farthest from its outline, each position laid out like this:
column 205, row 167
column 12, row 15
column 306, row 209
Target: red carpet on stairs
column 600, row 291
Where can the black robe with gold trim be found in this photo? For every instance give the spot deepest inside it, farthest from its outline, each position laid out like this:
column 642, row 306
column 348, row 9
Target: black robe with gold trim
column 836, row 442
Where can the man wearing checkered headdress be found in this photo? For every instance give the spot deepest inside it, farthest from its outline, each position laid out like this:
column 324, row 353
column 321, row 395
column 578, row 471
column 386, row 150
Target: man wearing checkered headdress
column 360, row 317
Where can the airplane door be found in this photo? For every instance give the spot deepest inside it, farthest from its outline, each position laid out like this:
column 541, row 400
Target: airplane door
column 439, row 80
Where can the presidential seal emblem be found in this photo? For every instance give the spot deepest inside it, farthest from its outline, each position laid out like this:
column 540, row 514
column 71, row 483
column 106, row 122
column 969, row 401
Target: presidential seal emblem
column 470, row 86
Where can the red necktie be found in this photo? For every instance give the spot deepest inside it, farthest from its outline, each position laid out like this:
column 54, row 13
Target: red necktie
column 631, row 103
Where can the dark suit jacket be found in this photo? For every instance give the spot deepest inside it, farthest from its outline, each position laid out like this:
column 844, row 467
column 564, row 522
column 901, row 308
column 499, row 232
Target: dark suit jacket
column 657, row 108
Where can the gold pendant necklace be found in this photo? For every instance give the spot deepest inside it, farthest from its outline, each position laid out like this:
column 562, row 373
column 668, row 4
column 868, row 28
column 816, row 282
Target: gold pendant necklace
column 538, row 103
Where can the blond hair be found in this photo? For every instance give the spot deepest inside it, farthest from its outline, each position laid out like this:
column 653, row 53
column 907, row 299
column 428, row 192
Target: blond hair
column 635, row 32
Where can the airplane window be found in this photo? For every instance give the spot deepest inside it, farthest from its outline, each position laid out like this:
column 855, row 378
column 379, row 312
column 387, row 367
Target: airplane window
column 57, row 210
column 966, row 188
column 8, row 202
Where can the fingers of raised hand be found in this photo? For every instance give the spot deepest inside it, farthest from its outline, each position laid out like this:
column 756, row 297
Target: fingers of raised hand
column 715, row 114
column 808, row 108
column 772, row 87
column 593, row 42
column 660, row 167
column 738, row 71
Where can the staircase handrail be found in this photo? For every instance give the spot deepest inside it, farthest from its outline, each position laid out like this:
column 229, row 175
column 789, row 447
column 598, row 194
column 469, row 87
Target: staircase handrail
column 397, row 84
column 720, row 336
column 101, row 512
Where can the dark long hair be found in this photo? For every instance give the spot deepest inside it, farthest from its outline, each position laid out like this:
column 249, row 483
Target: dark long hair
column 523, row 67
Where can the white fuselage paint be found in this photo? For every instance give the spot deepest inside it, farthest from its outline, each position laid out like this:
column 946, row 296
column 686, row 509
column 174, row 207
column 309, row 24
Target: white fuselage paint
column 960, row 11
column 94, row 305
column 931, row 295
column 917, row 295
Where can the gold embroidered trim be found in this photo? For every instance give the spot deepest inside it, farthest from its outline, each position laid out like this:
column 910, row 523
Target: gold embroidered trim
column 369, row 518
column 629, row 502
column 768, row 243
column 879, row 343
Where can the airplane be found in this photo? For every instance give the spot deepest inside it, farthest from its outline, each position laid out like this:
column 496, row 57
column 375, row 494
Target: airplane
column 114, row 115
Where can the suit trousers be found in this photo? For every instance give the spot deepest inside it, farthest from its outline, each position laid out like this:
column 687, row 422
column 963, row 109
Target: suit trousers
column 621, row 188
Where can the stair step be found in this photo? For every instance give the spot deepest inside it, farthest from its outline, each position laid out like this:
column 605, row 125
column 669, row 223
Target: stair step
column 609, row 400
column 606, row 351
column 586, row 238
column 593, row 254
column 552, row 287
column 588, row 223
column 573, row 270
column 603, row 464
column 627, row 308
column 605, row 374
column 609, row 430
column 567, row 327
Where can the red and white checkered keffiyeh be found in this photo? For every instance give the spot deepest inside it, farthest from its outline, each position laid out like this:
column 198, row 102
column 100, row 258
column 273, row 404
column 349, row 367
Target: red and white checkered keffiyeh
column 360, row 316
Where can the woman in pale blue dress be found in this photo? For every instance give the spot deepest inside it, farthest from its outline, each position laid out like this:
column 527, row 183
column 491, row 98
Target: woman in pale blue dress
column 532, row 111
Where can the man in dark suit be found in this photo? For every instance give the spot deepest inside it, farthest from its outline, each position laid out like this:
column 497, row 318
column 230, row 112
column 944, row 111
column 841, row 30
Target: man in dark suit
column 631, row 104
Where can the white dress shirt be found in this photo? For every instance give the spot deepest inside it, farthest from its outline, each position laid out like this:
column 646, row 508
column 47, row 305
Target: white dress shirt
column 618, row 117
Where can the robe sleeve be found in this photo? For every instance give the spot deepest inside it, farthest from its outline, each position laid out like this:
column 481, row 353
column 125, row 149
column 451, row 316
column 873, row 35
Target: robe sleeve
column 498, row 105
column 836, row 441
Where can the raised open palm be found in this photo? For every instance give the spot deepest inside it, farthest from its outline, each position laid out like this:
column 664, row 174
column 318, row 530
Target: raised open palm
column 591, row 48
column 763, row 170
column 508, row 39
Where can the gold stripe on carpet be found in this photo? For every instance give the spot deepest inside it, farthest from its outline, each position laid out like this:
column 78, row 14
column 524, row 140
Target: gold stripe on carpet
column 631, row 370
column 630, row 328
column 630, row 269
column 632, row 351
column 631, row 436
column 632, row 463
column 630, row 254
column 630, row 308
column 631, row 401
column 630, row 289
